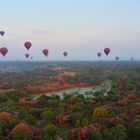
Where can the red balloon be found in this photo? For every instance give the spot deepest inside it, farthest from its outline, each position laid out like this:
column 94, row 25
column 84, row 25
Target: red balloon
column 99, row 54
column 28, row 45
column 45, row 52
column 3, row 51
column 65, row 53
column 107, row 51
column 27, row 55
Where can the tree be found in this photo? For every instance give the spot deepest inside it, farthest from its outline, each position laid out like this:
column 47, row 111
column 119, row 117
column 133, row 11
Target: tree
column 1, row 134
column 78, row 106
column 50, row 129
column 118, row 132
column 47, row 115
column 134, row 132
column 42, row 101
column 61, row 107
column 30, row 119
column 77, row 124
column 112, row 114
column 67, row 97
column 13, row 122
column 100, row 112
column 96, row 135
column 23, row 113
column 2, row 124
column 9, row 105
column 35, row 112
column 21, row 136
column 76, row 116
column 46, row 137
column 84, row 122
column 53, row 103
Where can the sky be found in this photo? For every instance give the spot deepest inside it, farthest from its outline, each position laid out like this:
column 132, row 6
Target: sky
column 81, row 27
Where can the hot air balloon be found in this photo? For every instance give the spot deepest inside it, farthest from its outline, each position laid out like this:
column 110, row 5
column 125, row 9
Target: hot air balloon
column 132, row 58
column 65, row 53
column 117, row 58
column 28, row 45
column 45, row 52
column 99, row 54
column 107, row 51
column 3, row 51
column 2, row 33
column 27, row 55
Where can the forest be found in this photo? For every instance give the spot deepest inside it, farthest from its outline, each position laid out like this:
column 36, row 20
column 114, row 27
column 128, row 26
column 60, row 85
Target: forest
column 32, row 109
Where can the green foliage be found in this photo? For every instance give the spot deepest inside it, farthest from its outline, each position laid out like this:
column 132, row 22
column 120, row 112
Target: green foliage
column 118, row 132
column 134, row 132
column 76, row 116
column 9, row 105
column 21, row 136
column 53, row 103
column 42, row 101
column 50, row 129
column 45, row 136
column 47, row 115
column 15, row 95
column 67, row 97
column 85, row 122
column 96, row 135
column 35, row 112
column 3, row 124
column 78, row 106
column 13, row 122
column 30, row 119
column 23, row 113
column 1, row 134
column 77, row 124
column 112, row 114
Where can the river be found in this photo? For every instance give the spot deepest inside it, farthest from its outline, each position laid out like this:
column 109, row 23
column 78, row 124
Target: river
column 86, row 91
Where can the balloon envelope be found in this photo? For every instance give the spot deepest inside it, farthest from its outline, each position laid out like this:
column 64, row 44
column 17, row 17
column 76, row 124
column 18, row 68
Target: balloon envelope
column 2, row 33
column 117, row 58
column 45, row 52
column 3, row 51
column 65, row 53
column 99, row 54
column 28, row 45
column 132, row 58
column 107, row 51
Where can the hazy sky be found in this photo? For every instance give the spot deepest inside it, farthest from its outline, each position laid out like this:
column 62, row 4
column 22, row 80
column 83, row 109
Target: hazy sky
column 82, row 27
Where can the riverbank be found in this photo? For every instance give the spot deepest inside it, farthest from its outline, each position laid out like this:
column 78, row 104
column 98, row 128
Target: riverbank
column 86, row 91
